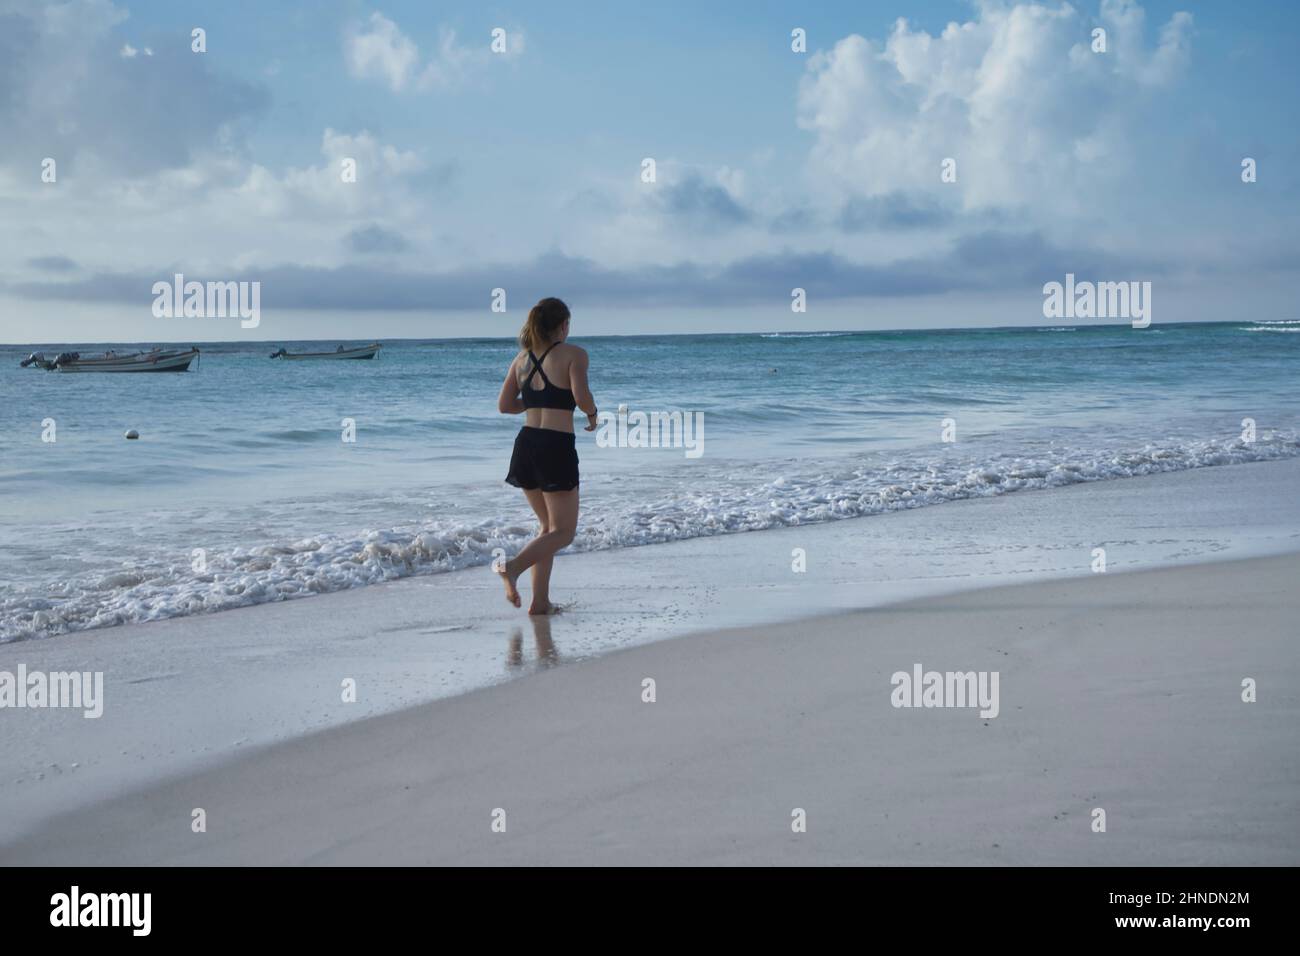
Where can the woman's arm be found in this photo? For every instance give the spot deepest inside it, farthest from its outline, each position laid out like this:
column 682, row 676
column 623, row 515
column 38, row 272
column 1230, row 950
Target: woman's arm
column 581, row 391
column 509, row 401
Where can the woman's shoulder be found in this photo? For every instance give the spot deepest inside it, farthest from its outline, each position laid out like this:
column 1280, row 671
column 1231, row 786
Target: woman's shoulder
column 572, row 351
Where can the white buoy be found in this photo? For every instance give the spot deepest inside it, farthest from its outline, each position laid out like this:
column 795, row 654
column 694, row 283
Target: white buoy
column 132, row 433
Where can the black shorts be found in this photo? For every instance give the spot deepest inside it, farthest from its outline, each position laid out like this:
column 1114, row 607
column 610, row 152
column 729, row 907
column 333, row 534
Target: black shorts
column 544, row 458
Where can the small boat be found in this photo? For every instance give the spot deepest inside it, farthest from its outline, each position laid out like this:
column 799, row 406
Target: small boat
column 362, row 352
column 155, row 360
column 37, row 360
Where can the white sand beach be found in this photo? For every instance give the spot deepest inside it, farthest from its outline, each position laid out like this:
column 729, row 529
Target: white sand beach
column 1118, row 690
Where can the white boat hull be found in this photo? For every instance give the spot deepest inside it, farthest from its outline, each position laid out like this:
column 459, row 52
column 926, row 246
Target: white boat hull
column 369, row 352
column 142, row 362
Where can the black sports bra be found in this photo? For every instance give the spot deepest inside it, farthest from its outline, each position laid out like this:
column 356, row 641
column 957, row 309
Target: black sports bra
column 549, row 395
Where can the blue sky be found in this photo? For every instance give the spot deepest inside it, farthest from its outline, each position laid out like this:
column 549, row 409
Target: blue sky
column 520, row 170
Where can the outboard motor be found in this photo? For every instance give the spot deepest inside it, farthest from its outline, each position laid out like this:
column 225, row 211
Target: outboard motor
column 36, row 358
column 278, row 353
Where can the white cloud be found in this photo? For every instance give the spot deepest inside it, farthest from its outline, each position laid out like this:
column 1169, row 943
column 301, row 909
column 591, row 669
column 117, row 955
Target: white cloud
column 380, row 51
column 1032, row 116
column 450, row 65
column 223, row 212
column 379, row 187
column 72, row 89
column 1125, row 23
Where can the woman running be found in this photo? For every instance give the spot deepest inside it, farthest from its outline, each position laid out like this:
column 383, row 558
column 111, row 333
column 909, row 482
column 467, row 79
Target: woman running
column 546, row 381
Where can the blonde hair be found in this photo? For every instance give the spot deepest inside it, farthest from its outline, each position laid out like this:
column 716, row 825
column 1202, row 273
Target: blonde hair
column 543, row 320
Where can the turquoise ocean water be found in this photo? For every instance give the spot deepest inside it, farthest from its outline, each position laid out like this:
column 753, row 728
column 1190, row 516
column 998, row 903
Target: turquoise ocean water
column 240, row 489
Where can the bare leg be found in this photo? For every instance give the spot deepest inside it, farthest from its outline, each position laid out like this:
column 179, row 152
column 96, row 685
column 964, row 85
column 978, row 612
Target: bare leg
column 562, row 511
column 562, row 523
column 541, row 571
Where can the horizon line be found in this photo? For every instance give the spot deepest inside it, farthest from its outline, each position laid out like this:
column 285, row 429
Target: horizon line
column 633, row 335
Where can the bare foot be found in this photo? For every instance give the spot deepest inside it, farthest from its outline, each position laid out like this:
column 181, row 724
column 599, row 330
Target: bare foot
column 544, row 608
column 512, row 593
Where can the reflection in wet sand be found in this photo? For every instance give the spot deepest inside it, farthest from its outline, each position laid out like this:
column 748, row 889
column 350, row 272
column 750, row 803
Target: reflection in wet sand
column 546, row 654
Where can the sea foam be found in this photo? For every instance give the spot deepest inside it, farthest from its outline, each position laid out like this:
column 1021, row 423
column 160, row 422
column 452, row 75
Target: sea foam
column 734, row 498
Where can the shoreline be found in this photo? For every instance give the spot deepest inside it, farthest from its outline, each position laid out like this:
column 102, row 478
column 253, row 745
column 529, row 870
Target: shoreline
column 751, row 724
column 188, row 693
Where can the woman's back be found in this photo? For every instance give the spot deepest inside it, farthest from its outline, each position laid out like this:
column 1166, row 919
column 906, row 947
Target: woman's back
column 544, row 382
